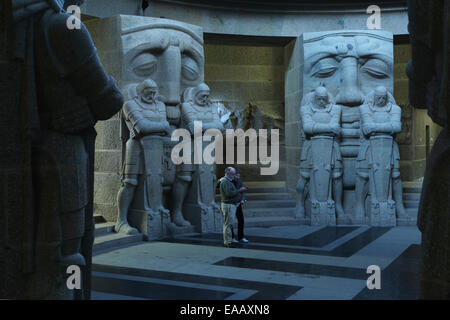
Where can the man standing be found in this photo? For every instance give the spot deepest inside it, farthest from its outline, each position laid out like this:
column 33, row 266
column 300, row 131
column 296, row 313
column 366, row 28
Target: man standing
column 230, row 198
column 239, row 213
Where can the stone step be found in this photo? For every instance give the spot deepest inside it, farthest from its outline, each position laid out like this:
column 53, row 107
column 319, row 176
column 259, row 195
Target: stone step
column 411, row 196
column 265, row 186
column 269, row 204
column 98, row 218
column 269, row 212
column 111, row 240
column 264, row 196
column 412, row 190
column 270, row 222
column 176, row 230
column 411, row 204
column 103, row 228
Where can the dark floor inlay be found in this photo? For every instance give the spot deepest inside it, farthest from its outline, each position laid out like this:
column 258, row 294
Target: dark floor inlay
column 316, row 239
column 148, row 290
column 400, row 280
column 294, row 267
column 345, row 250
column 266, row 291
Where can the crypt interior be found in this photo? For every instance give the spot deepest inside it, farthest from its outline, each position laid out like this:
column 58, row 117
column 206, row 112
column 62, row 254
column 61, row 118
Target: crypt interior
column 255, row 57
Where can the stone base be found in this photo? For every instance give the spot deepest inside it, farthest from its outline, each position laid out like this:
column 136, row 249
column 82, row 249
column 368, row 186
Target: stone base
column 407, row 222
column 152, row 225
column 173, row 229
column 383, row 215
column 303, row 221
column 210, row 220
column 323, row 214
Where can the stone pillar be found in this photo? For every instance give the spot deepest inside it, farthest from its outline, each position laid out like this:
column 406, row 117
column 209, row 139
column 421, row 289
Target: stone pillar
column 349, row 64
column 293, row 59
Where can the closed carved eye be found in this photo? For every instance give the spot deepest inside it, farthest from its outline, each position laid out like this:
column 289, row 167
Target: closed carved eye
column 324, row 68
column 144, row 65
column 376, row 68
column 325, row 72
column 190, row 69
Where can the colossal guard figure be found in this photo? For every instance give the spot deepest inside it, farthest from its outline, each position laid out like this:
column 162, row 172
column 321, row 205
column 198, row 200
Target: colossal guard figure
column 321, row 163
column 378, row 161
column 350, row 64
column 199, row 206
column 136, row 48
column 58, row 89
column 429, row 87
column 146, row 120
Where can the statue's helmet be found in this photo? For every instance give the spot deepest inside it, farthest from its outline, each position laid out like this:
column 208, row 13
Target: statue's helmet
column 147, row 84
column 380, row 91
column 321, row 92
column 191, row 93
column 202, row 87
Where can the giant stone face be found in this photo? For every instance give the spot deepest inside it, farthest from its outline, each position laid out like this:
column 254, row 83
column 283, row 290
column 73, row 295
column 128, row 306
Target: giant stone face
column 348, row 63
column 167, row 51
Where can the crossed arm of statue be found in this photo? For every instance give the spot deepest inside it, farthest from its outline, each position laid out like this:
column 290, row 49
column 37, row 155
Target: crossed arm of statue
column 311, row 127
column 142, row 126
column 391, row 126
column 189, row 116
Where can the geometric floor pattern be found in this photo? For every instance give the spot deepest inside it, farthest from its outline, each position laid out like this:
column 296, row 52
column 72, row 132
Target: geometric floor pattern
column 286, row 262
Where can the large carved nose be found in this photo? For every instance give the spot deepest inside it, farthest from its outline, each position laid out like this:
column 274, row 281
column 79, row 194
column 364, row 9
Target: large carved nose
column 169, row 69
column 349, row 91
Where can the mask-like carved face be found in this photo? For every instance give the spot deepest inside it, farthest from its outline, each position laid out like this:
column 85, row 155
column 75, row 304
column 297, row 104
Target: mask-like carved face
column 380, row 100
column 202, row 98
column 169, row 52
column 349, row 64
column 149, row 95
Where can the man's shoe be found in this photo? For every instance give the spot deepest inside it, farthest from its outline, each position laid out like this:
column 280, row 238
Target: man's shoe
column 234, row 241
column 244, row 240
column 229, row 245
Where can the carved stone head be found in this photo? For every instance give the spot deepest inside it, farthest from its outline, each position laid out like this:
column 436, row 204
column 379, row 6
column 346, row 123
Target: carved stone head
column 321, row 97
column 202, row 93
column 349, row 64
column 199, row 95
column 148, row 91
column 380, row 96
column 170, row 52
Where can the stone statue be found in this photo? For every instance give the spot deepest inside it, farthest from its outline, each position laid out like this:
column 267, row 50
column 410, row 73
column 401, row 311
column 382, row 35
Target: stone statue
column 169, row 52
column 378, row 161
column 146, row 120
column 429, row 88
column 321, row 163
column 350, row 64
column 196, row 106
column 225, row 116
column 59, row 90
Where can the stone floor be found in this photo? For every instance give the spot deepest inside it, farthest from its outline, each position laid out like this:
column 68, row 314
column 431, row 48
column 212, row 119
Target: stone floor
column 285, row 262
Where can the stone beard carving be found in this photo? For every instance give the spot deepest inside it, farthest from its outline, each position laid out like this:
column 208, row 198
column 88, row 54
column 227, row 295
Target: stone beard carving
column 350, row 64
column 64, row 91
column 224, row 115
column 378, row 161
column 146, row 120
column 196, row 106
column 321, row 163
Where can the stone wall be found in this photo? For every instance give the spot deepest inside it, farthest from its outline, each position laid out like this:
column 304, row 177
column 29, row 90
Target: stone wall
column 293, row 95
column 412, row 141
column 244, row 75
column 108, row 146
column 283, row 23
